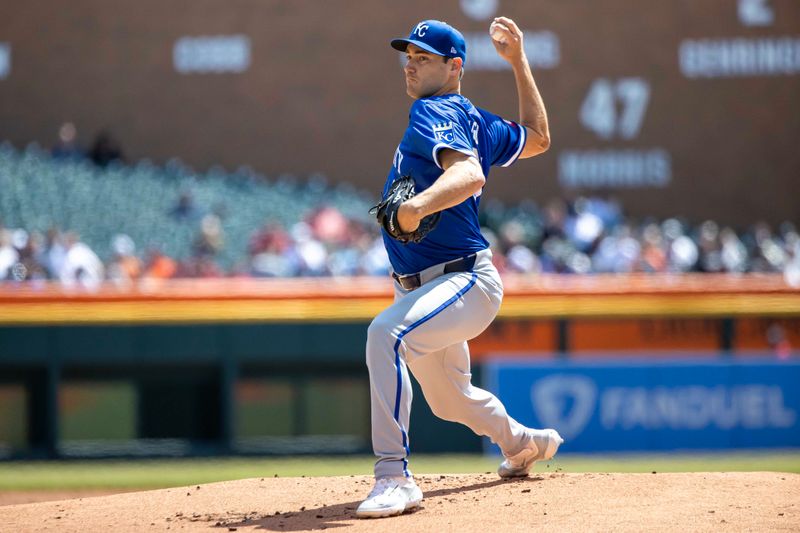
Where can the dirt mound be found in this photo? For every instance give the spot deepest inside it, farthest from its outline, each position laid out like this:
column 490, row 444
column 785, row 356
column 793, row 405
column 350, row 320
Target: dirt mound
column 760, row 501
column 34, row 496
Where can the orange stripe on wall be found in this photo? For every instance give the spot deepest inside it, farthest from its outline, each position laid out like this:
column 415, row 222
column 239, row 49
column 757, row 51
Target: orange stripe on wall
column 364, row 309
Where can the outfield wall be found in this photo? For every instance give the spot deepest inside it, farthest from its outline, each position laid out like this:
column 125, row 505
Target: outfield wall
column 277, row 366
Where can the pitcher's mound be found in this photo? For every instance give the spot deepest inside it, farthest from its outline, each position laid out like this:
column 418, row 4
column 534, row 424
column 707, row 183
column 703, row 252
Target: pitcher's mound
column 761, row 501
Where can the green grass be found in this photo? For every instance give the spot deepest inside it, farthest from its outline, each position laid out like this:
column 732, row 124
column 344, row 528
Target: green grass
column 149, row 474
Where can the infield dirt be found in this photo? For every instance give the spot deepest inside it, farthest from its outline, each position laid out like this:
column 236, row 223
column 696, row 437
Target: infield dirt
column 755, row 501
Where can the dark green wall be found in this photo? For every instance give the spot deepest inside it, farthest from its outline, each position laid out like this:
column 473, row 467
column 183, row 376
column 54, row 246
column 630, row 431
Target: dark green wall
column 185, row 378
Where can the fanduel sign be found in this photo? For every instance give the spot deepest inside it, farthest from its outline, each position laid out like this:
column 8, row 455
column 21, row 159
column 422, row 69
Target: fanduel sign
column 656, row 406
column 696, row 407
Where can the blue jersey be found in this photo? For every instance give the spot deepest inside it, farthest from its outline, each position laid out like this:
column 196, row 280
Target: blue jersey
column 448, row 121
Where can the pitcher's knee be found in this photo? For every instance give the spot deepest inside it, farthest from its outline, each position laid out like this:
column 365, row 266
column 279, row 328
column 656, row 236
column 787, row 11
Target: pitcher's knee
column 380, row 339
column 381, row 330
column 380, row 325
column 445, row 410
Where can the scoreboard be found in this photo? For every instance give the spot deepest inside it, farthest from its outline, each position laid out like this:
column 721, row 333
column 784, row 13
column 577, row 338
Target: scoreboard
column 678, row 108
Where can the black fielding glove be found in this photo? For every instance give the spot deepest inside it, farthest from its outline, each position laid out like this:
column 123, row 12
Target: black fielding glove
column 386, row 212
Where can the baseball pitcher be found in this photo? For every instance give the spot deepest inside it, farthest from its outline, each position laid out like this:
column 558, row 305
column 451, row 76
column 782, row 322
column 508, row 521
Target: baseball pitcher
column 446, row 289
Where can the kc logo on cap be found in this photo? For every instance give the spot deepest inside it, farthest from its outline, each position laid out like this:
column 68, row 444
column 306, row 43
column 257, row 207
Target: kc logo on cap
column 436, row 37
column 420, row 29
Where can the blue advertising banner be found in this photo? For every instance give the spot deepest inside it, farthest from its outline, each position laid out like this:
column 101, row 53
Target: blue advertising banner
column 654, row 405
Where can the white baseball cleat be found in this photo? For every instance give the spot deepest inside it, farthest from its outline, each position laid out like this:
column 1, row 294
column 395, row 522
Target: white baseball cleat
column 542, row 446
column 390, row 496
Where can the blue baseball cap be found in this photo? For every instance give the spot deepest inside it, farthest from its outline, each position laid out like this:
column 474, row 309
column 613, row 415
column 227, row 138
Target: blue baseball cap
column 436, row 37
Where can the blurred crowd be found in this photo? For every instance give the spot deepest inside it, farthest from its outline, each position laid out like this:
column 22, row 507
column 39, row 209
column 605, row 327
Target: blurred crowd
column 581, row 236
column 584, row 236
column 592, row 235
column 104, row 149
column 323, row 244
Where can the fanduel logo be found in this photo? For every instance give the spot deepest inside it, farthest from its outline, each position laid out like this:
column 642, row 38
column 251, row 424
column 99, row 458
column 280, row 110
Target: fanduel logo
column 695, row 407
column 564, row 402
column 569, row 402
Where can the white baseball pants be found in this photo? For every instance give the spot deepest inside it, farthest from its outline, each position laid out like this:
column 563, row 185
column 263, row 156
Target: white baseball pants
column 427, row 330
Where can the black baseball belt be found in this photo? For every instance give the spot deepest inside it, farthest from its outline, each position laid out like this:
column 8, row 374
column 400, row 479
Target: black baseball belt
column 412, row 281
